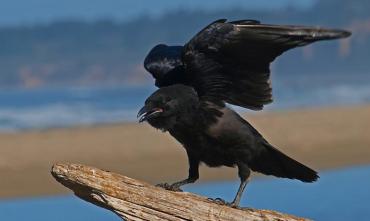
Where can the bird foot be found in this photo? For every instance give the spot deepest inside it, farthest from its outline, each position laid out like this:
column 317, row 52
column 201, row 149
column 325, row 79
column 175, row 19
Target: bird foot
column 170, row 187
column 220, row 201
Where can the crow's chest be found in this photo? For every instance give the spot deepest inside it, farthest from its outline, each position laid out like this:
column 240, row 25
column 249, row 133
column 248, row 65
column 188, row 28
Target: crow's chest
column 211, row 151
column 192, row 140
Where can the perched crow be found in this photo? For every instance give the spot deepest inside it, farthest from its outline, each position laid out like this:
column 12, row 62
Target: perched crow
column 226, row 62
column 230, row 61
column 216, row 135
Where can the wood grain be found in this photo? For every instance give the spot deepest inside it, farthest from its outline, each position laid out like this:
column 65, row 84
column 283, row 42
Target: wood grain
column 135, row 200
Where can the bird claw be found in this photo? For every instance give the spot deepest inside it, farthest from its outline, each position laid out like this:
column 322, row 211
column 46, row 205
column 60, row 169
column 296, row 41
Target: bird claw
column 222, row 202
column 169, row 187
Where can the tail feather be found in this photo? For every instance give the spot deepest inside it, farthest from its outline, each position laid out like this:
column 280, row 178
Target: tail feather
column 273, row 162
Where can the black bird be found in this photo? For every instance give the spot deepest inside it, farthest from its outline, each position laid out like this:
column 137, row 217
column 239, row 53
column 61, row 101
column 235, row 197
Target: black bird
column 214, row 134
column 230, row 61
column 226, row 62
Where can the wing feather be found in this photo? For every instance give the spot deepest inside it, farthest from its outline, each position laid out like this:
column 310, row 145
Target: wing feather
column 230, row 61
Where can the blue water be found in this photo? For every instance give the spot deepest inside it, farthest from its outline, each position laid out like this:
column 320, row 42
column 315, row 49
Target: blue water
column 63, row 107
column 338, row 195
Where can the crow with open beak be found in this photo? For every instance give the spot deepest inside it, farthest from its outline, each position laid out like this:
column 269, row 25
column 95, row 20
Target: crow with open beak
column 214, row 134
column 226, row 62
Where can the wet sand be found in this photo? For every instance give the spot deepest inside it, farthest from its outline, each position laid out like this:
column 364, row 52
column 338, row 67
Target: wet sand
column 325, row 138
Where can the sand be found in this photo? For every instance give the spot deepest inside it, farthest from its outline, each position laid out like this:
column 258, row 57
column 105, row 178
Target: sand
column 325, row 138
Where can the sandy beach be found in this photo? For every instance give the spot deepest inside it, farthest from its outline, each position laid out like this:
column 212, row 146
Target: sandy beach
column 324, row 138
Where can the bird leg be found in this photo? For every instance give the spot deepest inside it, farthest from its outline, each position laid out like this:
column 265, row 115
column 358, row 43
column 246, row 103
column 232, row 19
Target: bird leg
column 244, row 173
column 236, row 201
column 193, row 176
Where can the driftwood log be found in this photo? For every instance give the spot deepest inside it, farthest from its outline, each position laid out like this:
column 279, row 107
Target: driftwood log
column 135, row 200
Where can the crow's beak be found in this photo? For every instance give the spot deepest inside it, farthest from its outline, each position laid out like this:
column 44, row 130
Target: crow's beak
column 144, row 114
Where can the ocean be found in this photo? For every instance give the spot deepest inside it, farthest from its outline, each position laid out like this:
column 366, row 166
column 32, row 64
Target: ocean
column 43, row 108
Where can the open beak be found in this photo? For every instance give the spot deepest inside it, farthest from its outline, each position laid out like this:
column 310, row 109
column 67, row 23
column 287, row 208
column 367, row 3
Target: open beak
column 145, row 114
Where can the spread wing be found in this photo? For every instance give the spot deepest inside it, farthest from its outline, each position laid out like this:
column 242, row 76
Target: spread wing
column 230, row 61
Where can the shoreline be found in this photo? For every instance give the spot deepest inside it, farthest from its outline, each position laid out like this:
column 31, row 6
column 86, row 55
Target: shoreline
column 322, row 138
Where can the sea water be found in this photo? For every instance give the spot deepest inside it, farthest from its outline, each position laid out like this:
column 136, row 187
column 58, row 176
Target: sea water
column 338, row 195
column 42, row 108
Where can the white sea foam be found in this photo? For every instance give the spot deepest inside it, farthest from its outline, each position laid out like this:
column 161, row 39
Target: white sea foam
column 60, row 115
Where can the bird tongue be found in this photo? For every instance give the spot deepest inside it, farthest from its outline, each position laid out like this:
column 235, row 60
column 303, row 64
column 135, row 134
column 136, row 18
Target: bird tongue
column 145, row 114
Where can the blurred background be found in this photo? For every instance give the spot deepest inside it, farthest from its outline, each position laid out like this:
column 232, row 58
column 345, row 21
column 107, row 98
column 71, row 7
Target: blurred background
column 72, row 81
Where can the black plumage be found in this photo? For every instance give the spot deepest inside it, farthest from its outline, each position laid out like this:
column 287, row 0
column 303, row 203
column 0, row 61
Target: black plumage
column 226, row 62
column 216, row 135
column 230, row 61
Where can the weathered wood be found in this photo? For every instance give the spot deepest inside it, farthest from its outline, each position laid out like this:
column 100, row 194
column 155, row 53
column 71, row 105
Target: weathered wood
column 135, row 200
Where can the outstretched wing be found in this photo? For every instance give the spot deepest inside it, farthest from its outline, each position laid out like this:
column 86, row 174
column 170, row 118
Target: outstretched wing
column 230, row 61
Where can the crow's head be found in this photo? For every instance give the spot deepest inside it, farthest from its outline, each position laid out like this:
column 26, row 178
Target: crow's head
column 168, row 106
column 162, row 61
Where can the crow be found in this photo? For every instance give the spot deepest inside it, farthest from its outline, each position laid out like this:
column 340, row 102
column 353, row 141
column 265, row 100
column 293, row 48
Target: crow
column 230, row 61
column 214, row 134
column 226, row 62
